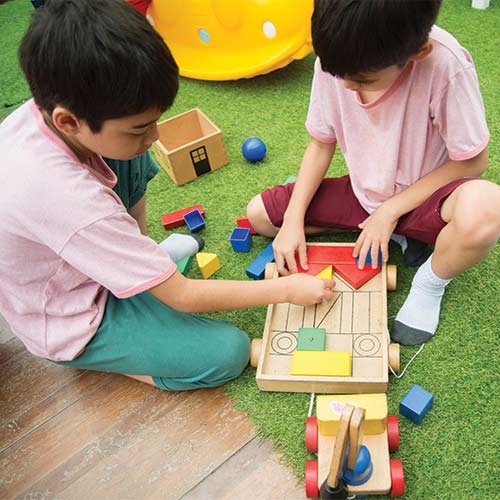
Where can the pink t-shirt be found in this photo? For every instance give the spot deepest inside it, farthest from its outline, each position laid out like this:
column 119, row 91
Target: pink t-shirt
column 65, row 240
column 432, row 113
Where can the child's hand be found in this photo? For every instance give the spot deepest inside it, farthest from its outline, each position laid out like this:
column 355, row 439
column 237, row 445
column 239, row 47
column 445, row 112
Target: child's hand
column 288, row 242
column 306, row 290
column 376, row 232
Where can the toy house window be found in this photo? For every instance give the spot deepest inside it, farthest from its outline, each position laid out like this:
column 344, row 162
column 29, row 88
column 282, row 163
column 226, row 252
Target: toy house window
column 200, row 160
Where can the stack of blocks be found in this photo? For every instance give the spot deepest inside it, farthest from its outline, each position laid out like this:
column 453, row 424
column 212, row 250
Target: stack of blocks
column 311, row 359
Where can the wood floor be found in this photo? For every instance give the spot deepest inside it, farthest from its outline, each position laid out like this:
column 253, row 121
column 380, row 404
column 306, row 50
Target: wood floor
column 73, row 434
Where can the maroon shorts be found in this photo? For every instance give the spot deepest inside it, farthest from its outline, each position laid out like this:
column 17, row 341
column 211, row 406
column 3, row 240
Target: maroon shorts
column 335, row 205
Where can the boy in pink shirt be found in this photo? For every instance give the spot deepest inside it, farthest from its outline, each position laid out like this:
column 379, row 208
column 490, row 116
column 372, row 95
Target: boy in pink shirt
column 401, row 100
column 79, row 283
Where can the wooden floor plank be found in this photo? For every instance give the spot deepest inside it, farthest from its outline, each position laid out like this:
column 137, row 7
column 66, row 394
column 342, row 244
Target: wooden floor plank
column 26, row 422
column 72, row 434
column 27, row 380
column 255, row 472
column 157, row 451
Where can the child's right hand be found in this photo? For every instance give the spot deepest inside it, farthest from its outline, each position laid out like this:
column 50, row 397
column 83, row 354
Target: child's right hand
column 306, row 290
column 290, row 241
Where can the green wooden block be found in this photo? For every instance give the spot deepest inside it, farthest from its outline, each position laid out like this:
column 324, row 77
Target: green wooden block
column 311, row 339
column 184, row 264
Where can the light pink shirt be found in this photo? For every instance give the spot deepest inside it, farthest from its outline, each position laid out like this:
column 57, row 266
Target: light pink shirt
column 65, row 240
column 432, row 113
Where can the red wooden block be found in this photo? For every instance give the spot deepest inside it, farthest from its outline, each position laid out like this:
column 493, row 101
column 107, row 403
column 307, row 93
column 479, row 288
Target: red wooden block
column 244, row 222
column 175, row 219
column 330, row 255
column 354, row 276
column 314, row 268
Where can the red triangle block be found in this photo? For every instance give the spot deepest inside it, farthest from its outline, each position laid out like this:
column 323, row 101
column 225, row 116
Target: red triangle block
column 354, row 276
column 321, row 254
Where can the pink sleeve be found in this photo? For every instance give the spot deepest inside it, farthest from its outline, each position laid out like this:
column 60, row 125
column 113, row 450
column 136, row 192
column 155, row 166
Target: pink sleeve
column 316, row 123
column 460, row 117
column 113, row 253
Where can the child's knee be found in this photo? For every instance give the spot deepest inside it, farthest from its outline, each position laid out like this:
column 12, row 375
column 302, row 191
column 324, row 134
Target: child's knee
column 257, row 215
column 236, row 353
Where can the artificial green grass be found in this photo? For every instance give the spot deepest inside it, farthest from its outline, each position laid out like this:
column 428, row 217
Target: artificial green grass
column 453, row 454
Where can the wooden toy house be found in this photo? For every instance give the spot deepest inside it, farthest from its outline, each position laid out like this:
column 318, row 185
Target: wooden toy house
column 190, row 145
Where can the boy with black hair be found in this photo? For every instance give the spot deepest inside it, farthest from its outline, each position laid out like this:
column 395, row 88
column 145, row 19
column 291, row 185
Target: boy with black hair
column 79, row 283
column 401, row 98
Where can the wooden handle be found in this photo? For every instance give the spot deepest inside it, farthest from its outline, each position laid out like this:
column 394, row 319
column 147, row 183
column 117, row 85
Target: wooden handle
column 356, row 430
column 340, row 446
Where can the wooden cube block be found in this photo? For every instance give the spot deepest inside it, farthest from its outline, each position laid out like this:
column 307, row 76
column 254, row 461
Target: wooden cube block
column 416, row 404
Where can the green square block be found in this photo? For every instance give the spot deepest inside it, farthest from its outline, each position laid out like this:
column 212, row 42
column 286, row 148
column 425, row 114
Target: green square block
column 311, row 339
column 184, row 264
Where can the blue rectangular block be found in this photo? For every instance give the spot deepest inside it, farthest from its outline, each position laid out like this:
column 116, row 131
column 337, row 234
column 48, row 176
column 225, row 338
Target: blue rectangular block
column 368, row 260
column 241, row 239
column 257, row 268
column 268, row 253
column 416, row 404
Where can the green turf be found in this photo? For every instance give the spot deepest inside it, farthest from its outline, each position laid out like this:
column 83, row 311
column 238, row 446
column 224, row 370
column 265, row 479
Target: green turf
column 454, row 453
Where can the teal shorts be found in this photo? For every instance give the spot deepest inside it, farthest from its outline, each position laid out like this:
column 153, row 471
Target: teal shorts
column 141, row 335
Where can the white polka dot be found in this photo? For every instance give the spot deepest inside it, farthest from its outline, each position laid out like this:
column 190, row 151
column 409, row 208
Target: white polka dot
column 204, row 36
column 269, row 29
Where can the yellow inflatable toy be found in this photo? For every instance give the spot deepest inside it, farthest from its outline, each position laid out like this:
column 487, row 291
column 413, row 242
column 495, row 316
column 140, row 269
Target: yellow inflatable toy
column 231, row 39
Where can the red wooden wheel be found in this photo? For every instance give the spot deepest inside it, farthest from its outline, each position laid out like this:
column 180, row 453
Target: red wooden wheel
column 311, row 478
column 312, row 434
column 397, row 478
column 393, row 432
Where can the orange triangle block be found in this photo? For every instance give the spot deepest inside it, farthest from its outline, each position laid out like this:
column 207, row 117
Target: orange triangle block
column 326, row 274
column 354, row 276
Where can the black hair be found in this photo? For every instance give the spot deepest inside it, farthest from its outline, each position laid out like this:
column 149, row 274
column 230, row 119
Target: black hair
column 101, row 59
column 355, row 36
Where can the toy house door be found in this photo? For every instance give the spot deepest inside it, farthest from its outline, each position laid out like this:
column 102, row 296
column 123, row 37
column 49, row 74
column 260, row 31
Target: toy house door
column 200, row 161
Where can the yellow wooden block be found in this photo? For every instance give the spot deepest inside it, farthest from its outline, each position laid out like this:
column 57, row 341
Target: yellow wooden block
column 326, row 274
column 329, row 409
column 208, row 263
column 321, row 363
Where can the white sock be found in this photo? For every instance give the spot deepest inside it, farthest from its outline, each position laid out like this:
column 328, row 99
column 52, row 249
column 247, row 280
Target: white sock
column 418, row 319
column 180, row 245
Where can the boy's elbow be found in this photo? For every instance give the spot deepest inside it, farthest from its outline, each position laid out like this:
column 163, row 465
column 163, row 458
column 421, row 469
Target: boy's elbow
column 174, row 292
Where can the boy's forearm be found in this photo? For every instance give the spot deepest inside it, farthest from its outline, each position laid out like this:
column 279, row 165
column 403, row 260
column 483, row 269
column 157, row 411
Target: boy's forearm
column 313, row 168
column 416, row 194
column 197, row 296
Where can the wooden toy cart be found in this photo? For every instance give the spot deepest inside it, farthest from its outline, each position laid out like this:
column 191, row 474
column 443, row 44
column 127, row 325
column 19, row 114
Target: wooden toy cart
column 339, row 472
column 355, row 322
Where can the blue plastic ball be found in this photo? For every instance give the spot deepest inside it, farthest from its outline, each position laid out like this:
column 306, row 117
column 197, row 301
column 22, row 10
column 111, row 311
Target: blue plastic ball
column 254, row 149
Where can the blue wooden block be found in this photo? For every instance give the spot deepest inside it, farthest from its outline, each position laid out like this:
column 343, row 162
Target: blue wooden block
column 194, row 220
column 257, row 268
column 416, row 404
column 368, row 260
column 268, row 253
column 241, row 239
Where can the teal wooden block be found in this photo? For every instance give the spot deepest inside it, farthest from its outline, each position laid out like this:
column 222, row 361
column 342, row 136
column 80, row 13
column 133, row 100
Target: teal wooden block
column 311, row 339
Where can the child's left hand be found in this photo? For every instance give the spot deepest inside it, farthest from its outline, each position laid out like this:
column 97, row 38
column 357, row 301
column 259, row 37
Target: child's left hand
column 376, row 231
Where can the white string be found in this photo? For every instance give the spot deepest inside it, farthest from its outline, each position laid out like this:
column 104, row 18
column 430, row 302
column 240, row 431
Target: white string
column 311, row 403
column 409, row 362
